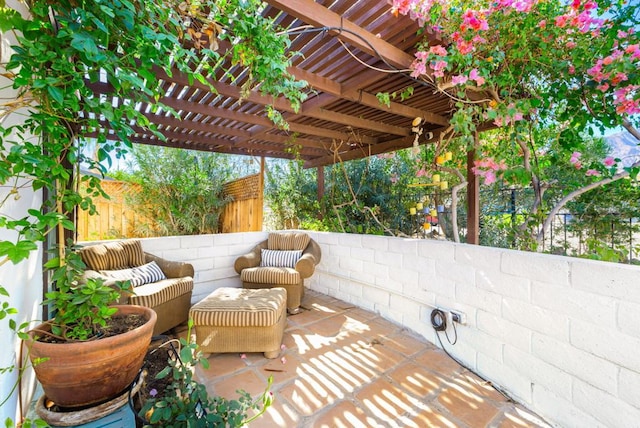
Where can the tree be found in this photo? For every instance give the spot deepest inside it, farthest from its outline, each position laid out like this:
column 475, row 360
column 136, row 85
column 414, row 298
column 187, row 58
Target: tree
column 526, row 65
column 180, row 190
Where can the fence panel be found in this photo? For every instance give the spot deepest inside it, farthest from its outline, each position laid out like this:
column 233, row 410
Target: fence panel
column 244, row 212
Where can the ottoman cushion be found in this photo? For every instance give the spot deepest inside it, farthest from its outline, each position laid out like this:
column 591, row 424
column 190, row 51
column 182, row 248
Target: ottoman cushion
column 239, row 307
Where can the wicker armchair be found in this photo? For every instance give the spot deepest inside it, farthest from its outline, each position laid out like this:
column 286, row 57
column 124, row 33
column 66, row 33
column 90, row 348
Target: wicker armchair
column 292, row 256
column 169, row 294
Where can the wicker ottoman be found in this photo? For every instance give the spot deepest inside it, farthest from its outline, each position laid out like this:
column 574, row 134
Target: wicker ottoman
column 241, row 320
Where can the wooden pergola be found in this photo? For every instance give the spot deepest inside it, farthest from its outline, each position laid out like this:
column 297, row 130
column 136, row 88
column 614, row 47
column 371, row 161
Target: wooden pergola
column 349, row 51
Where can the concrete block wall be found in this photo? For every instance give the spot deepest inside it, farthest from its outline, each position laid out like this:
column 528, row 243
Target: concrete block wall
column 212, row 257
column 560, row 334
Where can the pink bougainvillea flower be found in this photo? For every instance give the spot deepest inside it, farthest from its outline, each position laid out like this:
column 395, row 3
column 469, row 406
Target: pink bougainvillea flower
column 575, row 156
column 592, row 172
column 609, row 161
column 489, row 177
column 459, row 80
column 243, row 356
column 542, row 24
column 438, row 50
column 571, row 45
column 283, row 360
column 475, row 76
column 283, row 347
column 577, row 164
column 604, row 87
column 421, row 173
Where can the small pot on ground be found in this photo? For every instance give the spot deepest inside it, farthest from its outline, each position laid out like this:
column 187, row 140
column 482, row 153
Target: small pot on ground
column 78, row 374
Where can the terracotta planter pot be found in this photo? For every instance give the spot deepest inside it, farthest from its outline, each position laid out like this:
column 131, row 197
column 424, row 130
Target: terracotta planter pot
column 80, row 374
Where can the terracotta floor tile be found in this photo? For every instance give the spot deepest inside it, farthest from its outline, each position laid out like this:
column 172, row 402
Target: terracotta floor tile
column 428, row 417
column 331, row 326
column 373, row 355
column 417, row 380
column 309, row 314
column 387, row 402
column 405, row 343
column 438, row 362
column 247, row 380
column 279, row 415
column 223, row 364
column 311, row 392
column 345, row 414
column 381, row 328
column 467, row 406
column 282, row 369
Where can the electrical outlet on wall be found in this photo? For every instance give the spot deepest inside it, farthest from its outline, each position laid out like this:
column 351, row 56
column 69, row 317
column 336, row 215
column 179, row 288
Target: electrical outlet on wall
column 458, row 316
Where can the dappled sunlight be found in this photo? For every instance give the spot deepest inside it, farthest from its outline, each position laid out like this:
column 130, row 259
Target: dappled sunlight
column 338, row 370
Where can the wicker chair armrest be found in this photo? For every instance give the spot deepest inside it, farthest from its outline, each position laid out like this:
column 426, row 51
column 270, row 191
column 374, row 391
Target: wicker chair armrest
column 310, row 258
column 251, row 259
column 171, row 269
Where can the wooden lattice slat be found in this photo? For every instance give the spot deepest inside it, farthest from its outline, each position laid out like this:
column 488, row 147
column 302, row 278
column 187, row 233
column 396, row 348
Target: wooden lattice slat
column 243, row 188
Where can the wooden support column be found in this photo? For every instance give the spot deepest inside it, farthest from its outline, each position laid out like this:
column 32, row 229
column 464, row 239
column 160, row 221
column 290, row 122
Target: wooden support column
column 473, row 198
column 320, row 179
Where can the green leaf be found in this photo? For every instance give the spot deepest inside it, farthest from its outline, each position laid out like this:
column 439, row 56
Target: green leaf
column 56, row 93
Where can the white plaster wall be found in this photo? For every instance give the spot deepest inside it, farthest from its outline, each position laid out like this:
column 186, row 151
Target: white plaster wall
column 560, row 334
column 22, row 281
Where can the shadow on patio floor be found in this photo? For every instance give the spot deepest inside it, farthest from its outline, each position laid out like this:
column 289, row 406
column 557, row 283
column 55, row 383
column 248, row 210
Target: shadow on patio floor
column 342, row 366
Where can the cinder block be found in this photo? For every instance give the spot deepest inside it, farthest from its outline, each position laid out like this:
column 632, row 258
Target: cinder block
column 544, row 267
column 388, row 259
column 377, row 296
column 609, row 410
column 479, row 257
column 230, row 239
column 629, row 318
column 606, row 343
column 504, row 284
column 436, row 250
column 157, row 245
column 363, row 276
column 629, row 387
column 376, row 269
column 403, row 275
column 518, row 386
column 609, row 279
column 419, row 264
column 404, row 305
column 469, row 294
column 484, row 344
column 364, row 254
column 350, row 265
column 178, row 255
column 196, row 241
column 538, row 371
column 504, row 330
column 561, row 412
column 455, row 272
column 374, row 242
column 550, row 323
column 441, row 287
column 403, row 246
column 582, row 365
column 212, row 252
column 352, row 240
column 575, row 303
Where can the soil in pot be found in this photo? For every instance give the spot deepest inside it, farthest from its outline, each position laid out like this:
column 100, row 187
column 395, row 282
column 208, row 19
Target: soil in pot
column 118, row 324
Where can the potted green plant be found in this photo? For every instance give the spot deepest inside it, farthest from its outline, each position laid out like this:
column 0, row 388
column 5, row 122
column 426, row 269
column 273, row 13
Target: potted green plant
column 91, row 351
column 61, row 47
column 181, row 401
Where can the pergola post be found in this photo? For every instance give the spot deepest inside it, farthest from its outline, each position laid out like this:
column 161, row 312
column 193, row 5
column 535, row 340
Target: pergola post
column 473, row 197
column 320, row 181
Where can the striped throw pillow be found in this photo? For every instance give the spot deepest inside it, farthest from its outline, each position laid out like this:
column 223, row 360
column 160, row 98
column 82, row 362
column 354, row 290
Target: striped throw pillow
column 140, row 275
column 151, row 272
column 280, row 258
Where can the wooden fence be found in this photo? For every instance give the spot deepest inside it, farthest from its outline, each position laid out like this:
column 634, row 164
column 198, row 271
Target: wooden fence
column 244, row 212
column 114, row 218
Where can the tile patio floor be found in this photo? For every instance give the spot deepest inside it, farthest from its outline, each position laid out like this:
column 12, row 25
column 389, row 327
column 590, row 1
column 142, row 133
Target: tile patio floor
column 342, row 366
